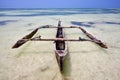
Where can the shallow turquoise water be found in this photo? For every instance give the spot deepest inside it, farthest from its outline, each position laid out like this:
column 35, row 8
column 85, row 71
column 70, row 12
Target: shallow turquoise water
column 48, row 12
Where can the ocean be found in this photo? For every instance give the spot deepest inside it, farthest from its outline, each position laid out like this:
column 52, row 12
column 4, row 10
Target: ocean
column 48, row 12
column 55, row 12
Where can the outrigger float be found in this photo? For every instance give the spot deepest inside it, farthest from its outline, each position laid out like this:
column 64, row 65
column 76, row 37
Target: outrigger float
column 60, row 41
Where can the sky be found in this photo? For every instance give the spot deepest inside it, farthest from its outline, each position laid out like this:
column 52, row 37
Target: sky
column 59, row 3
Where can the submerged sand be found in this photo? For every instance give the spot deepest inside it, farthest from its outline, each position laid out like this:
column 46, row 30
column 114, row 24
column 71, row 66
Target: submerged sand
column 37, row 61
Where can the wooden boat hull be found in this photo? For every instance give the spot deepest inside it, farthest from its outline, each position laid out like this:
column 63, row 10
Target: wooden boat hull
column 60, row 56
column 60, row 47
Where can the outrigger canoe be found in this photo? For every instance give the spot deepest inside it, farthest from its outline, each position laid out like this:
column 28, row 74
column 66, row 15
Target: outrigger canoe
column 60, row 41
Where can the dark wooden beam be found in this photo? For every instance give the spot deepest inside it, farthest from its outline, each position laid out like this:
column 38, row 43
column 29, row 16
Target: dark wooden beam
column 97, row 41
column 22, row 41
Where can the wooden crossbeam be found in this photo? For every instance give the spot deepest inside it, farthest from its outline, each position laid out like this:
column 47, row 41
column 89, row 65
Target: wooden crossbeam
column 50, row 26
column 57, row 39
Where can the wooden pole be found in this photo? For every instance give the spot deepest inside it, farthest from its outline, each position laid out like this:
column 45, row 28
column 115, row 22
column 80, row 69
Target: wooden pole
column 97, row 41
column 58, row 39
column 50, row 26
column 22, row 41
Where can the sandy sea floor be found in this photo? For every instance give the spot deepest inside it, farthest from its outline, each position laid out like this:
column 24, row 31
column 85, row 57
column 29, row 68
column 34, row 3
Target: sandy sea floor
column 37, row 61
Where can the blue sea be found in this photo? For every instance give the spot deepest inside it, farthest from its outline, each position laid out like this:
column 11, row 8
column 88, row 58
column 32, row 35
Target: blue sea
column 87, row 17
column 48, row 12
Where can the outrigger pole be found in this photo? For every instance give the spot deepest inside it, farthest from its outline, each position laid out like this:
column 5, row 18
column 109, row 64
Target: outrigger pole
column 57, row 39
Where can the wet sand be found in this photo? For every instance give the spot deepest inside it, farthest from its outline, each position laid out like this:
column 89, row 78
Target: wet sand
column 37, row 61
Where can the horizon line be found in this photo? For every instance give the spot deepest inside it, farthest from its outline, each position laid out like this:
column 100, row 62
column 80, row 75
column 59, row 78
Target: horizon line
column 58, row 8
